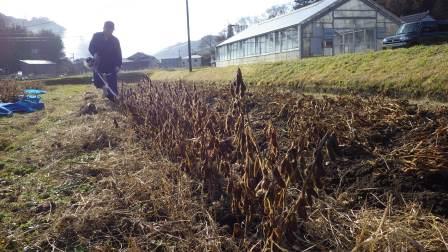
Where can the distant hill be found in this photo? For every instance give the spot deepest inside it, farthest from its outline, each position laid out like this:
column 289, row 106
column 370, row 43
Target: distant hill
column 180, row 49
column 204, row 46
column 34, row 25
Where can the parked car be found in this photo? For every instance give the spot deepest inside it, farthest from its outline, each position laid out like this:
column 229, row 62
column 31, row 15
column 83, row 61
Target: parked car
column 426, row 32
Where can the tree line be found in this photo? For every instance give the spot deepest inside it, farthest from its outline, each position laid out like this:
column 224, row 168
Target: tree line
column 18, row 43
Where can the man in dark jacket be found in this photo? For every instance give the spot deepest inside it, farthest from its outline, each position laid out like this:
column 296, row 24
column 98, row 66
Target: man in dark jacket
column 106, row 50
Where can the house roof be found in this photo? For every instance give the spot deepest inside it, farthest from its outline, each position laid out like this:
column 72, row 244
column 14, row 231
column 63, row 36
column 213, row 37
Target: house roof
column 165, row 59
column 140, row 56
column 296, row 17
column 193, row 57
column 127, row 61
column 417, row 17
column 38, row 62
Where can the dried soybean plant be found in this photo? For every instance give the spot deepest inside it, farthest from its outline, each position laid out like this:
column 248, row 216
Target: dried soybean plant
column 264, row 183
column 221, row 150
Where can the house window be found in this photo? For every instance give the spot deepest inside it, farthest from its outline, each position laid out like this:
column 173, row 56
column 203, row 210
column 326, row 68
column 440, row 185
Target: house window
column 328, row 43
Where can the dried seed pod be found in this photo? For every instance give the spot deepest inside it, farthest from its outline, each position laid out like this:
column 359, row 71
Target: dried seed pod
column 237, row 232
column 332, row 147
column 271, row 135
column 267, row 205
column 301, row 206
column 225, row 146
column 310, row 193
column 278, row 178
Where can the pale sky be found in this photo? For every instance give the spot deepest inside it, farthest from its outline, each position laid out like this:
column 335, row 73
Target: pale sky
column 146, row 26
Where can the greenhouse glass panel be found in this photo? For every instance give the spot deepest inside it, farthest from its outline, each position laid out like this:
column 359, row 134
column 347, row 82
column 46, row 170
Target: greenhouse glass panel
column 292, row 37
column 262, row 42
column 306, row 47
column 380, row 18
column 391, row 29
column 240, row 49
column 257, row 46
column 271, row 42
column 344, row 23
column 283, row 40
column 278, row 41
column 354, row 13
column 354, row 5
column 326, row 19
column 365, row 23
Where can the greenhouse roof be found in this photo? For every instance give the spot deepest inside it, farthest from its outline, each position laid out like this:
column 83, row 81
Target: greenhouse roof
column 294, row 18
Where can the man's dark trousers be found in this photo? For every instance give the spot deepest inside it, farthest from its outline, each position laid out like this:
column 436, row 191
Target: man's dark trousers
column 111, row 79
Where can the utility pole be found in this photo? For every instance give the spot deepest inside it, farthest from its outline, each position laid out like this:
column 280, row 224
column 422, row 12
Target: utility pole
column 189, row 41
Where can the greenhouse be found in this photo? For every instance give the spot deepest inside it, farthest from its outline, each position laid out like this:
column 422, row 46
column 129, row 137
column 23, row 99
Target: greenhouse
column 325, row 28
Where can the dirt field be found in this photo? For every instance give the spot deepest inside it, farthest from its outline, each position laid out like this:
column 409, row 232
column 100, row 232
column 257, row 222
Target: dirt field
column 179, row 168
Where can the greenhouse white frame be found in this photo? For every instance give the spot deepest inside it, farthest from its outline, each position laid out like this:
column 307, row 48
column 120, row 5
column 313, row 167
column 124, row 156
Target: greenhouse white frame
column 325, row 28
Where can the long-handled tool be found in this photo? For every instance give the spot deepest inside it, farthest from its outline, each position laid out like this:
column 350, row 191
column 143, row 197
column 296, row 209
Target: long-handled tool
column 90, row 63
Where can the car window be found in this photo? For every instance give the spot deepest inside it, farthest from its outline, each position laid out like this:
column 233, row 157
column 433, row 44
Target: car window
column 430, row 27
column 443, row 27
column 409, row 28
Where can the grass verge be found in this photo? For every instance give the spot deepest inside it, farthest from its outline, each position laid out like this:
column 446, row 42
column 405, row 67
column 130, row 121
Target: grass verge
column 415, row 72
column 127, row 77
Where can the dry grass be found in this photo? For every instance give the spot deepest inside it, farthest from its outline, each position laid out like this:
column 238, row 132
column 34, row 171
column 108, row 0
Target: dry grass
column 406, row 228
column 137, row 204
column 122, row 195
column 10, row 91
column 111, row 190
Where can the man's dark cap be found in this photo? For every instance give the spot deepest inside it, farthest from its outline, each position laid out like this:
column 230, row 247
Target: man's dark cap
column 109, row 24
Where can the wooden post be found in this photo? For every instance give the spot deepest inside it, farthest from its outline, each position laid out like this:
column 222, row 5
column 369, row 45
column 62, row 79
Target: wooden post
column 189, row 41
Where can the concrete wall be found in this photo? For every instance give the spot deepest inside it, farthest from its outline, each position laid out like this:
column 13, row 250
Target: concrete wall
column 195, row 62
column 49, row 69
column 171, row 63
column 138, row 65
column 283, row 56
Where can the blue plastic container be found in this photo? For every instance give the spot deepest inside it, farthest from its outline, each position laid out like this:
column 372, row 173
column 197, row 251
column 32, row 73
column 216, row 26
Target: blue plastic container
column 5, row 112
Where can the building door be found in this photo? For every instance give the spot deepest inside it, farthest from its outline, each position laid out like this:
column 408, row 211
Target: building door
column 348, row 41
column 316, row 46
column 316, row 40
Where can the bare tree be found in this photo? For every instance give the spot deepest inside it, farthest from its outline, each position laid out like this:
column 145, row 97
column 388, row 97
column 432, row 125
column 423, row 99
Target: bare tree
column 278, row 10
column 302, row 3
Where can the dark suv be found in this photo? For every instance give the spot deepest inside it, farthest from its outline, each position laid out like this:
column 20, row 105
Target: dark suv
column 426, row 32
